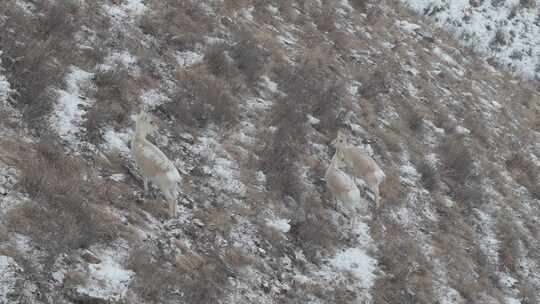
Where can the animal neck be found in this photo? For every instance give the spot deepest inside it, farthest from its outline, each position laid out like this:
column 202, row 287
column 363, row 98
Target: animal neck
column 334, row 161
column 140, row 133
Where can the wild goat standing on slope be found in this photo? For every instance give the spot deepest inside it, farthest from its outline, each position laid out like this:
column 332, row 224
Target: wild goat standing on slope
column 360, row 164
column 341, row 186
column 154, row 164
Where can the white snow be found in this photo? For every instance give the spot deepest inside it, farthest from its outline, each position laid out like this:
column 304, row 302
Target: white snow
column 269, row 84
column 71, row 105
column 361, row 265
column 123, row 57
column 225, row 172
column 153, row 98
column 188, row 58
column 128, row 8
column 279, row 224
column 408, row 27
column 8, row 277
column 117, row 141
column 477, row 26
column 356, row 261
column 5, row 88
column 107, row 280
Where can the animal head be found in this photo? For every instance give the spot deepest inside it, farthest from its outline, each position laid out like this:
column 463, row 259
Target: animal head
column 340, row 141
column 146, row 123
column 338, row 161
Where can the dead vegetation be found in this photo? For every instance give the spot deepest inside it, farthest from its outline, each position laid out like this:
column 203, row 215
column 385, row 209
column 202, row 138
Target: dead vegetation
column 407, row 276
column 201, row 278
column 63, row 213
column 202, row 99
column 525, row 172
column 36, row 53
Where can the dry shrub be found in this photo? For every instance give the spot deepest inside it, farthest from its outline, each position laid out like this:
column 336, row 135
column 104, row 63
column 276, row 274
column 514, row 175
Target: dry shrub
column 218, row 219
column 360, row 5
column 316, row 233
column 374, row 83
column 177, row 24
column 36, row 50
column 391, row 140
column 476, row 124
column 280, row 152
column 458, row 162
column 157, row 281
column 113, row 102
column 325, row 20
column 315, row 88
column 429, row 175
column 443, row 121
column 250, row 57
column 415, row 119
column 61, row 216
column 237, row 258
column 391, row 189
column 525, row 172
column 216, row 60
column 202, row 99
column 528, row 293
column 528, row 4
column 509, row 236
column 407, row 272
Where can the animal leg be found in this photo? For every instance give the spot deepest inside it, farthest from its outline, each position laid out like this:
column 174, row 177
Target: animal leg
column 145, row 180
column 171, row 199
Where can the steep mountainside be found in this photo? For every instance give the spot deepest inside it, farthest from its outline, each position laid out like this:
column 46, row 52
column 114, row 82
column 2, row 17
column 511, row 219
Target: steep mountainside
column 249, row 95
column 505, row 32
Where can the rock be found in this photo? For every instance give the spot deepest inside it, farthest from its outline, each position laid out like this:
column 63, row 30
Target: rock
column 198, row 222
column 90, row 257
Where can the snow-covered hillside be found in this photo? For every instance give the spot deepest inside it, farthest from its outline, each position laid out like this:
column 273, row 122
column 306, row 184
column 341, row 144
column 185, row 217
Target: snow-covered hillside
column 507, row 32
column 248, row 96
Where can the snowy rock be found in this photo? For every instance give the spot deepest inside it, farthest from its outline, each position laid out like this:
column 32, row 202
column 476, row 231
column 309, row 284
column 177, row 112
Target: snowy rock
column 9, row 274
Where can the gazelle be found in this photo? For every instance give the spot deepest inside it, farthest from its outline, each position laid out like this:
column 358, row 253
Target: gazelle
column 341, row 186
column 154, row 164
column 360, row 164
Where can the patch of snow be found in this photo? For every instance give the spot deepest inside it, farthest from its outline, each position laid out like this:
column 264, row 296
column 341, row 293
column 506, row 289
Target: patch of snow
column 408, row 27
column 188, row 58
column 313, row 120
column 8, row 277
column 117, row 141
column 272, row 9
column 128, row 8
column 153, row 98
column 361, row 265
column 248, row 13
column 444, row 56
column 225, row 172
column 462, row 130
column 107, row 280
column 483, row 27
column 408, row 175
column 269, row 84
column 280, row 224
column 512, row 300
column 124, row 58
column 5, row 88
column 71, row 105
column 118, row 177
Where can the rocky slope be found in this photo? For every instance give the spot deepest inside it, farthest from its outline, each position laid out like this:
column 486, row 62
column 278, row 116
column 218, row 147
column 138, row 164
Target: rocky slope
column 249, row 95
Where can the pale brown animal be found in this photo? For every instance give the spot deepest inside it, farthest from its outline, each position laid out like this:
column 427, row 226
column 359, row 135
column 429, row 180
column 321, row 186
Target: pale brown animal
column 341, row 186
column 154, row 164
column 360, row 164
